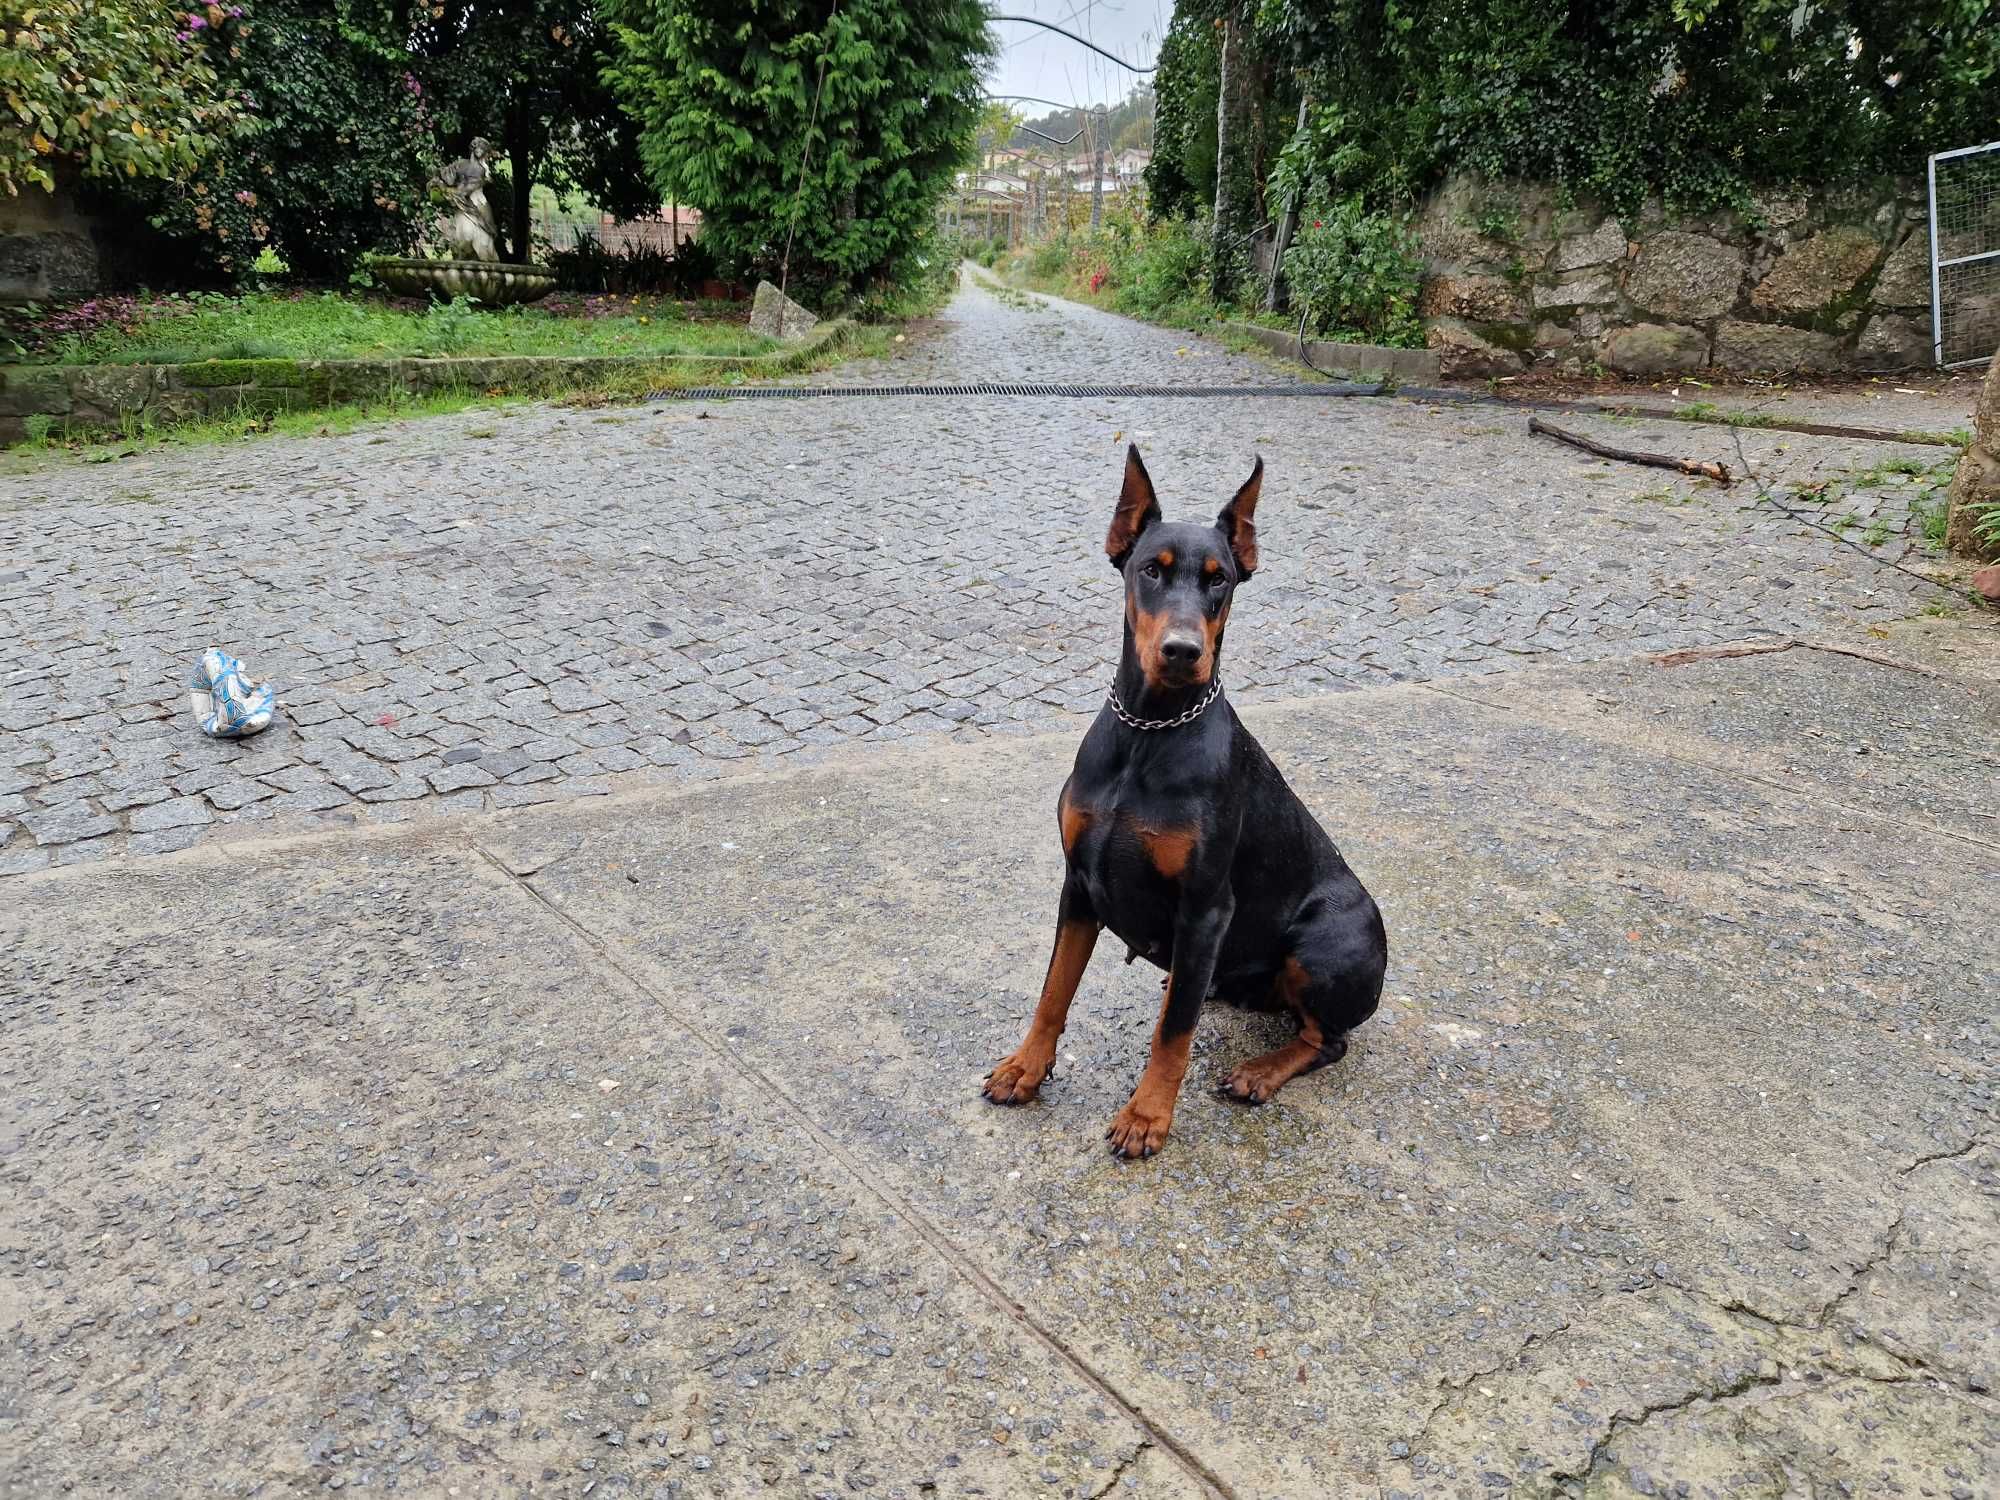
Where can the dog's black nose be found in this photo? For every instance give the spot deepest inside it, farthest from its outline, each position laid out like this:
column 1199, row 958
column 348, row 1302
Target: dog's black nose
column 1181, row 650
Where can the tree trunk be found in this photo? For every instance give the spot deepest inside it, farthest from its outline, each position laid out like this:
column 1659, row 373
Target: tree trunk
column 1976, row 485
column 1288, row 225
column 524, row 182
column 1231, row 166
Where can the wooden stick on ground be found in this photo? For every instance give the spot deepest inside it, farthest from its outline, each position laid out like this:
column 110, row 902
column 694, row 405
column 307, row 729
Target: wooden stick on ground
column 1698, row 467
column 1761, row 648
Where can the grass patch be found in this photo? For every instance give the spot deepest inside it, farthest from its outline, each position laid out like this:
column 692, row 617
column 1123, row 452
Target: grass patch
column 328, row 325
column 141, row 434
column 1925, row 485
column 58, row 441
column 1708, row 411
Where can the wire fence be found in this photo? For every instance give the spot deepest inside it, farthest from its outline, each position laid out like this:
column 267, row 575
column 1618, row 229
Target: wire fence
column 1965, row 254
column 659, row 233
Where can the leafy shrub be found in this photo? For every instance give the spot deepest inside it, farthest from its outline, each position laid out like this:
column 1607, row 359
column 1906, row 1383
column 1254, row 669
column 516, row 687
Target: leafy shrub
column 1699, row 101
column 116, row 89
column 590, row 266
column 1166, row 269
column 1047, row 257
column 1351, row 271
column 328, row 160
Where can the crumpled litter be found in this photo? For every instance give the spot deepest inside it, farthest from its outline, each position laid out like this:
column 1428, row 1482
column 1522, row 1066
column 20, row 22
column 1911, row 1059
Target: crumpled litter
column 225, row 702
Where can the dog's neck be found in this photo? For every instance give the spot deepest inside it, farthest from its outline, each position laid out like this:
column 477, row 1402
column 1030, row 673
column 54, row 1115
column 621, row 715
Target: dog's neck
column 1143, row 700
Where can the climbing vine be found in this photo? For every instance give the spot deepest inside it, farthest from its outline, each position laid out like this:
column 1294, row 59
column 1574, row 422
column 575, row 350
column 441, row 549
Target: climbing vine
column 1698, row 101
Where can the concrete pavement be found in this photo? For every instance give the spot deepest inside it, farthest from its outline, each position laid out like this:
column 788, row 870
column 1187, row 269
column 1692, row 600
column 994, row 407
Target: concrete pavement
column 634, row 1147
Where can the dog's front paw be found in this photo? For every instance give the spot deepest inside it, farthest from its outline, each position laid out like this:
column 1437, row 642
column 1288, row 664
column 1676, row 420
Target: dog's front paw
column 1138, row 1129
column 1017, row 1077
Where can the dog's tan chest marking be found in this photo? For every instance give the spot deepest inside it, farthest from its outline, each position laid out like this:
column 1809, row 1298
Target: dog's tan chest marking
column 1169, row 848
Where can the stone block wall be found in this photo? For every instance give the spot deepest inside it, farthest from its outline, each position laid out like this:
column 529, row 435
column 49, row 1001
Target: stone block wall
column 1828, row 281
column 48, row 247
column 41, row 399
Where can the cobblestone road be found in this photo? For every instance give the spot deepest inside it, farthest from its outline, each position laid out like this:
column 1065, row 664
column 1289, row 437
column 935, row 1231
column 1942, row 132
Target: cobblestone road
column 492, row 609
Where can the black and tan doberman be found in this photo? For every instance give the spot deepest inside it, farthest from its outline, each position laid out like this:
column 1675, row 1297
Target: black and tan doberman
column 1181, row 837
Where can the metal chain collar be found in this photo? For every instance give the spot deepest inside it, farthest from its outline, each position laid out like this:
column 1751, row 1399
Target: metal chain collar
column 1187, row 718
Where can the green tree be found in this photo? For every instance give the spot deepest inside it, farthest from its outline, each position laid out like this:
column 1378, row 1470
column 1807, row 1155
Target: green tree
column 1180, row 179
column 112, row 89
column 998, row 125
column 349, row 107
column 724, row 91
column 529, row 75
column 331, row 154
column 1695, row 100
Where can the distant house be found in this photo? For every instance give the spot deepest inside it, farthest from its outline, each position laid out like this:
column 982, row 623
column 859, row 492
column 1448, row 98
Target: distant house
column 1131, row 161
column 1001, row 184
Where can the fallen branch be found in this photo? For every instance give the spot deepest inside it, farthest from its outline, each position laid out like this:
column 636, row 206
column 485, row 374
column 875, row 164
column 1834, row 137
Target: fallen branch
column 1700, row 468
column 1761, row 648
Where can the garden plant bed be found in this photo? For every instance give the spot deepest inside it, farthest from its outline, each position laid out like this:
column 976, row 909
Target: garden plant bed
column 329, row 325
column 37, row 400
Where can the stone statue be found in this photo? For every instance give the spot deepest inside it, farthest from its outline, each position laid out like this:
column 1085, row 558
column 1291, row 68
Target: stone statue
column 474, row 268
column 469, row 227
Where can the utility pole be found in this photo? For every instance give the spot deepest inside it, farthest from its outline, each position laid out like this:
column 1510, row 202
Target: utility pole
column 1231, row 221
column 1288, row 225
column 1096, row 176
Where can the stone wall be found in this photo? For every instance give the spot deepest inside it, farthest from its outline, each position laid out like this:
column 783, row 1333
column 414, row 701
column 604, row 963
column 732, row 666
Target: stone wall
column 1834, row 281
column 38, row 400
column 48, row 247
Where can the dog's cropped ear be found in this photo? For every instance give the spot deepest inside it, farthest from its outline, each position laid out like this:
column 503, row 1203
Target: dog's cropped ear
column 1238, row 523
column 1138, row 508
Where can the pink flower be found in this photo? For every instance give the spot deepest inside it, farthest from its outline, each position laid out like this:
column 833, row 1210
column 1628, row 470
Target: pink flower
column 196, row 21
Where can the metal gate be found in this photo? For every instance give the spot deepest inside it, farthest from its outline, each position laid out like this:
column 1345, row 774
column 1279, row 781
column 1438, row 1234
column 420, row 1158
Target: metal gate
column 1965, row 254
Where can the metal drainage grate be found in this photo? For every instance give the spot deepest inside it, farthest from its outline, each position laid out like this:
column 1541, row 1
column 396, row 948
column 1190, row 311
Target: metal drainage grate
column 795, row 392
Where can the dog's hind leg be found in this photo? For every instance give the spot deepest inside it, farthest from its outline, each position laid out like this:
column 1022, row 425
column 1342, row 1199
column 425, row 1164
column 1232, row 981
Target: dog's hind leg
column 1331, row 981
column 1017, row 1076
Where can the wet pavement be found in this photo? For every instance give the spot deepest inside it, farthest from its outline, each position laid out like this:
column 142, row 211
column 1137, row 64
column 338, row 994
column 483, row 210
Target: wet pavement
column 540, row 603
column 635, row 1146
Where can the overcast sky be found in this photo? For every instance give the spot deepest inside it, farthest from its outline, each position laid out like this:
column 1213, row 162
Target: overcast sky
column 1039, row 62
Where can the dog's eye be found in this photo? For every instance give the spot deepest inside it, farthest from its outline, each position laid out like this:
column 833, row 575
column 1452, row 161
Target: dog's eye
column 1217, row 580
column 1152, row 570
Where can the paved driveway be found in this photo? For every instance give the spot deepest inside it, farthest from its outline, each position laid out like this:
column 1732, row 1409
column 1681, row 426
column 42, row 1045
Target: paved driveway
column 503, row 608
column 636, row 1148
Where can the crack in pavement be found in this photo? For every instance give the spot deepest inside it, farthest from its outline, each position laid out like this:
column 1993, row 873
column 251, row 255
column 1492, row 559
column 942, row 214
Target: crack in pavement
column 871, row 1183
column 1454, row 1387
column 1771, row 1371
column 1119, row 1473
column 1621, row 1423
column 1924, row 1161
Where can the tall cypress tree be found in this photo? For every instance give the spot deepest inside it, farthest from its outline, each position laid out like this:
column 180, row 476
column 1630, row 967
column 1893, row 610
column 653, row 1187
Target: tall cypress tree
column 724, row 92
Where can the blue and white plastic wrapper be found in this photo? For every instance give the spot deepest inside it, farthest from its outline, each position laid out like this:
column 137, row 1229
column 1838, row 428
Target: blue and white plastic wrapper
column 225, row 702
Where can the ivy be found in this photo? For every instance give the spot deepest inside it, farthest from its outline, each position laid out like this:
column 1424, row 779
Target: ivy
column 1180, row 179
column 1697, row 101
column 328, row 157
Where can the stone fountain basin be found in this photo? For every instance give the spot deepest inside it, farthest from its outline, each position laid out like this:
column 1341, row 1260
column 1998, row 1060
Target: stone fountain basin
column 495, row 283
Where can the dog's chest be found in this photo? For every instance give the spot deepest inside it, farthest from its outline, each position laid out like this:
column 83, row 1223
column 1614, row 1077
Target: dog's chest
column 1130, row 853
